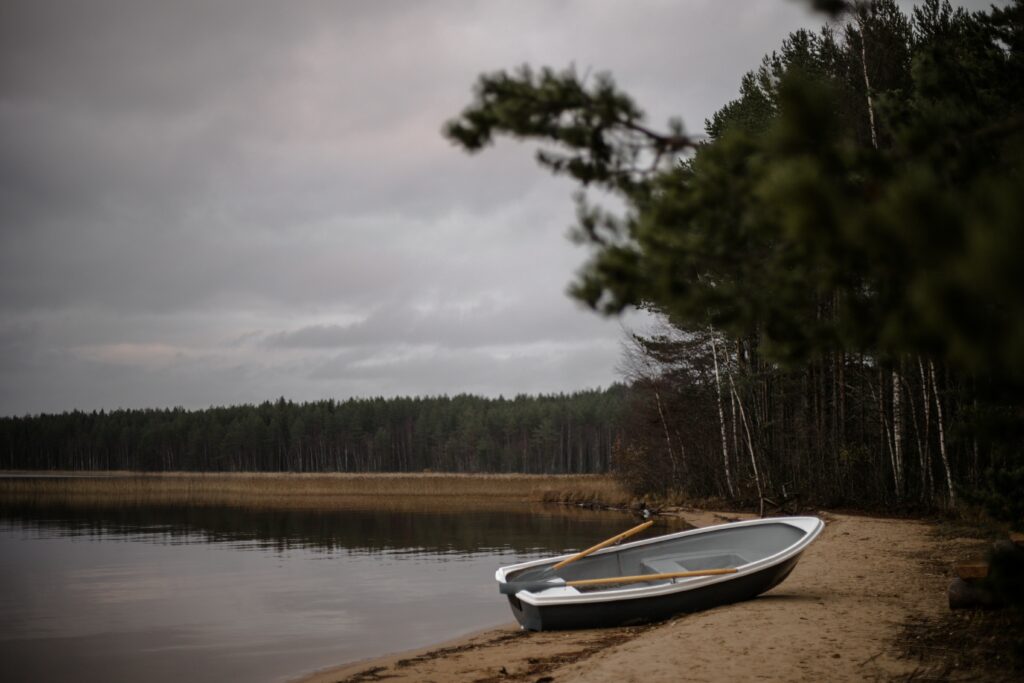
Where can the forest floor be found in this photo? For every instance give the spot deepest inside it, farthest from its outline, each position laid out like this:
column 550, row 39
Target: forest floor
column 866, row 602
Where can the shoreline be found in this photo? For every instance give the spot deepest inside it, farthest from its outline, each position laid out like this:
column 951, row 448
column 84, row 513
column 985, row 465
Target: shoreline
column 838, row 617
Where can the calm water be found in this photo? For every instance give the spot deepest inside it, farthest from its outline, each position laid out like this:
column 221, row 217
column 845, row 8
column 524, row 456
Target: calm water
column 225, row 594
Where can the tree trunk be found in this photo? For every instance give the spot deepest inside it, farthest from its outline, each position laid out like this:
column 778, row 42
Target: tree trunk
column 721, row 417
column 942, row 436
column 867, row 82
column 668, row 439
column 886, row 433
column 750, row 448
column 897, row 431
column 926, row 477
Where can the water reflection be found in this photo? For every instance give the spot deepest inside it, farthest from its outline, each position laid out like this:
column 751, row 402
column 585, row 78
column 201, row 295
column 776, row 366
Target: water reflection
column 168, row 593
column 356, row 529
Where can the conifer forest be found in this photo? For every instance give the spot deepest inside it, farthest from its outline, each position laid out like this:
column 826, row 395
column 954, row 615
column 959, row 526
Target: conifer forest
column 557, row 434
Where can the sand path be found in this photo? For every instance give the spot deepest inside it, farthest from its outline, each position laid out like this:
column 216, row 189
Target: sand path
column 836, row 618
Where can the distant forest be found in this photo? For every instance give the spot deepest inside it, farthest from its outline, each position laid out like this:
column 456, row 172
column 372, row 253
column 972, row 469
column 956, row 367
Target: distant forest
column 564, row 433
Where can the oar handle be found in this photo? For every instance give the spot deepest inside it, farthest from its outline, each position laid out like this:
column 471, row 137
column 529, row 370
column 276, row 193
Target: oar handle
column 641, row 578
column 604, row 544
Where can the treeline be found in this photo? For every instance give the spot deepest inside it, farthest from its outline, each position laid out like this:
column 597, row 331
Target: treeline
column 564, row 433
column 847, row 429
column 837, row 262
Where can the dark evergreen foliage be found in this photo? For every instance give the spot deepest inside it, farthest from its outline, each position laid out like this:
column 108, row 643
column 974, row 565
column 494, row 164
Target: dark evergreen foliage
column 564, row 433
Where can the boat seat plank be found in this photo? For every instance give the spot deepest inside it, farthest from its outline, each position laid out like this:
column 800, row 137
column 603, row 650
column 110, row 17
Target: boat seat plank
column 662, row 566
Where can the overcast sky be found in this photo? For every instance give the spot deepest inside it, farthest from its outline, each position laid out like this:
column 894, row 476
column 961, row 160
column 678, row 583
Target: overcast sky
column 206, row 203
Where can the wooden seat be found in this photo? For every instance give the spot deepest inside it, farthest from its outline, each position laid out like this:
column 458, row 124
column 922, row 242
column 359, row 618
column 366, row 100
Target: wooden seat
column 662, row 566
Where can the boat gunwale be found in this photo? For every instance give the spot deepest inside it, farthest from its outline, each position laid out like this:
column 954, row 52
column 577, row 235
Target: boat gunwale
column 810, row 526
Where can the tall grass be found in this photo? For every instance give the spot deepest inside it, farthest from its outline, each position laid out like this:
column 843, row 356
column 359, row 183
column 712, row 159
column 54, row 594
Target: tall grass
column 309, row 490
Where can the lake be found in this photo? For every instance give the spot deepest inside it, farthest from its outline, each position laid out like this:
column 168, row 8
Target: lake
column 171, row 593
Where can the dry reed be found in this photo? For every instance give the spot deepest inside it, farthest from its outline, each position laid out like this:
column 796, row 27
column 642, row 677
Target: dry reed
column 281, row 490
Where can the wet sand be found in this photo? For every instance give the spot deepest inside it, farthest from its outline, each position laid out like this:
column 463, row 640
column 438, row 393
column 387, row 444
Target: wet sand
column 838, row 617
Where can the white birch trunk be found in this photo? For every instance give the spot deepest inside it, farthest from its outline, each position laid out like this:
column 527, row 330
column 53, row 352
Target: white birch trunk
column 867, row 81
column 917, row 435
column 668, row 439
column 886, row 432
column 735, row 426
column 926, row 467
column 897, row 434
column 750, row 447
column 942, row 436
column 721, row 417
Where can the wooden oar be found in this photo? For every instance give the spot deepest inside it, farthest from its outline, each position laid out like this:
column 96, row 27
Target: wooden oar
column 603, row 544
column 513, row 587
column 535, row 576
column 641, row 578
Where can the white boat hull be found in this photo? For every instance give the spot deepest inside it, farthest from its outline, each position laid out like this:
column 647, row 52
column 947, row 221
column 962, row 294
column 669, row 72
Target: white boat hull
column 762, row 551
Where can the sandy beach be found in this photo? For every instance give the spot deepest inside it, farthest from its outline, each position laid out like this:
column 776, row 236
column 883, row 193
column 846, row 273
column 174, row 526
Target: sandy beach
column 838, row 617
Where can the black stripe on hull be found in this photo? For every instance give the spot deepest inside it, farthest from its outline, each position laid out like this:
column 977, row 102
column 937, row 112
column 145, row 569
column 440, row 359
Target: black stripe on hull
column 639, row 610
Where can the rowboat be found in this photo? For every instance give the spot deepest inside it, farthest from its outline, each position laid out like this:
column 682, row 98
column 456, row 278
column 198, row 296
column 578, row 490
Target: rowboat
column 654, row 578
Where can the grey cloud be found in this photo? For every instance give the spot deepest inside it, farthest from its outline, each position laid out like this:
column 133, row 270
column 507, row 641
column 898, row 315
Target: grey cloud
column 208, row 202
column 539, row 369
column 483, row 322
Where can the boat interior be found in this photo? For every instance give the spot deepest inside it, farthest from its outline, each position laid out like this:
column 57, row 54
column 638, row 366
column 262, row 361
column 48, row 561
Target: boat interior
column 720, row 549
